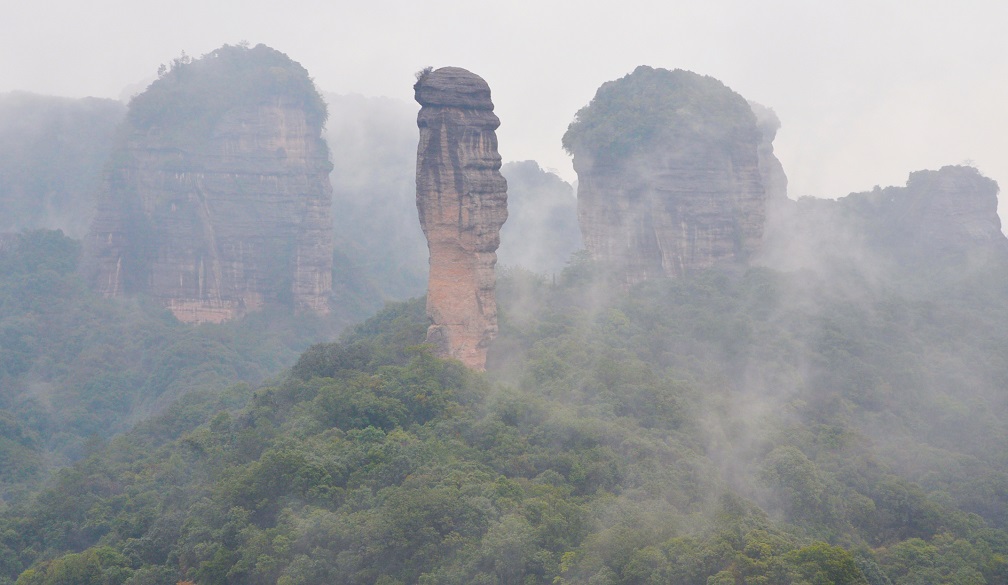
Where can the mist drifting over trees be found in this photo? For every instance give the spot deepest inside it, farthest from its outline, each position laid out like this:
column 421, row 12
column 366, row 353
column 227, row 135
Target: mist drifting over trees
column 53, row 151
column 829, row 408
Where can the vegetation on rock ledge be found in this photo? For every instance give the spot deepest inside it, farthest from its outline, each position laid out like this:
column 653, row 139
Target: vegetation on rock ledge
column 644, row 108
column 189, row 98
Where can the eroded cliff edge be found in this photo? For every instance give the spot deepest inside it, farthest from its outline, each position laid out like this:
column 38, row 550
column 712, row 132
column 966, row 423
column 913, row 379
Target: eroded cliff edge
column 462, row 203
column 941, row 219
column 217, row 200
column 669, row 174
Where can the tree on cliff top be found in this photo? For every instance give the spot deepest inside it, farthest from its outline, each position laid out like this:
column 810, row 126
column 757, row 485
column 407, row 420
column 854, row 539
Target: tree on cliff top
column 652, row 106
column 192, row 95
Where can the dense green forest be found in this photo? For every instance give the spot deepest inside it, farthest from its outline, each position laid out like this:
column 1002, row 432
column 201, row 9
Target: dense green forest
column 76, row 369
column 726, row 427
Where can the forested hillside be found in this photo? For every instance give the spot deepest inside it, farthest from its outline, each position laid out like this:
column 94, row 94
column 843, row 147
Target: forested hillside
column 76, row 369
column 750, row 427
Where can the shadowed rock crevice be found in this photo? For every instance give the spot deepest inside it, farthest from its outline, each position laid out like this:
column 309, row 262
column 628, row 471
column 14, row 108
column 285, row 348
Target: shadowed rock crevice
column 462, row 204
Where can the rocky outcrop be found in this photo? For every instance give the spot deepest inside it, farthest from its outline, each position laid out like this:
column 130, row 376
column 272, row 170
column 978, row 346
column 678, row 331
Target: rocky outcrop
column 946, row 217
column 217, row 200
column 946, row 212
column 771, row 170
column 669, row 174
column 461, row 197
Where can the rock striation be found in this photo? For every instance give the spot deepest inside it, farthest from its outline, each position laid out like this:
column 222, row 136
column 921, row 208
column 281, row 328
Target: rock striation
column 217, row 200
column 461, row 198
column 669, row 174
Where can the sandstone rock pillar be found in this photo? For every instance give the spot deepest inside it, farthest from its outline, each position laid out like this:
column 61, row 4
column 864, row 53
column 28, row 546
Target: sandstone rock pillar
column 462, row 202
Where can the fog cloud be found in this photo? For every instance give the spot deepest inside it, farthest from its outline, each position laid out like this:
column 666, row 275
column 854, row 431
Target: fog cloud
column 867, row 91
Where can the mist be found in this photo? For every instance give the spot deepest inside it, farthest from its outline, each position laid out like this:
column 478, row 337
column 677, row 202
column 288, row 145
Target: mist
column 840, row 390
column 52, row 152
column 868, row 92
column 372, row 145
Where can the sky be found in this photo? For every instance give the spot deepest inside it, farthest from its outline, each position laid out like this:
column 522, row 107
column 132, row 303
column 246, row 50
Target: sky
column 867, row 90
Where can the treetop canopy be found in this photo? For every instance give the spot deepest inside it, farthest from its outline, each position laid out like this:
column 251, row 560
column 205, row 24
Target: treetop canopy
column 194, row 93
column 651, row 106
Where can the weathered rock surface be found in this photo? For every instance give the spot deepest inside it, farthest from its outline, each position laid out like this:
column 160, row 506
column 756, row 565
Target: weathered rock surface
column 771, row 170
column 945, row 212
column 669, row 174
column 944, row 217
column 222, row 206
column 462, row 201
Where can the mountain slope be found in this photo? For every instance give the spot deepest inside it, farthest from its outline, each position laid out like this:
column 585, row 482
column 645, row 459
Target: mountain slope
column 764, row 427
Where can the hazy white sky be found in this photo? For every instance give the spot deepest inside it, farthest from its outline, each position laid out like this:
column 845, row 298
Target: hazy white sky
column 867, row 90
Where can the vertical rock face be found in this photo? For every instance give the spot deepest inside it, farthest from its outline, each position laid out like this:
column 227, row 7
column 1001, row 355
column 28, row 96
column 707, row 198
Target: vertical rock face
column 218, row 198
column 946, row 212
column 946, row 217
column 771, row 169
column 462, row 202
column 669, row 174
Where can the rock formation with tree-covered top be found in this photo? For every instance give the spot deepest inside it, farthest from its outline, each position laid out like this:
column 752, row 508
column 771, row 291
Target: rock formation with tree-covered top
column 462, row 202
column 669, row 180
column 217, row 199
column 941, row 219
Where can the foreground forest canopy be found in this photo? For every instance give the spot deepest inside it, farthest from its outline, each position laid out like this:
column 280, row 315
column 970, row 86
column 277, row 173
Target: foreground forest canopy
column 721, row 428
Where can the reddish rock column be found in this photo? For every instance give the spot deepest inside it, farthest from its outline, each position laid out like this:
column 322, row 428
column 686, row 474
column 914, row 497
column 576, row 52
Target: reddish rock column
column 462, row 202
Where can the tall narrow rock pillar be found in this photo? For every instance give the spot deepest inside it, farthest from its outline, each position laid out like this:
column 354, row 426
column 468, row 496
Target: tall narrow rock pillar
column 462, row 202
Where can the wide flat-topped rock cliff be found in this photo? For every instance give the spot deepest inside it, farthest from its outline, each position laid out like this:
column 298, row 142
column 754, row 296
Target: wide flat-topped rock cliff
column 217, row 199
column 940, row 218
column 669, row 174
column 947, row 212
column 462, row 202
